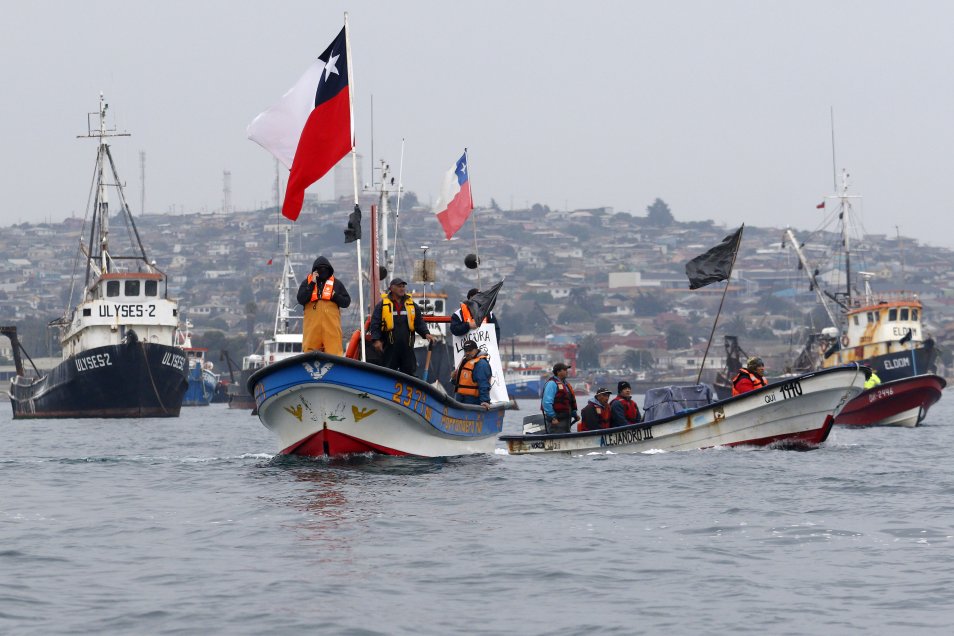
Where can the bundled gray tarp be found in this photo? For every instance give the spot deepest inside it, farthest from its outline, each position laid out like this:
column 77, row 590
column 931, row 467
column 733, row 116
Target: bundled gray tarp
column 670, row 400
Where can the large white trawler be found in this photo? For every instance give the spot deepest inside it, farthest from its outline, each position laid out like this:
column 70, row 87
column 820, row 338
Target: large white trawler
column 118, row 341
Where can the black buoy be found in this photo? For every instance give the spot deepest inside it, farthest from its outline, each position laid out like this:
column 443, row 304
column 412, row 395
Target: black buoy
column 382, row 272
column 471, row 261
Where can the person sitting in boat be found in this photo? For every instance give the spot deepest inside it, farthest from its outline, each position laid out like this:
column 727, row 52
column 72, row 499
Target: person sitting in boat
column 323, row 297
column 872, row 381
column 472, row 378
column 749, row 377
column 559, row 401
column 596, row 414
column 393, row 325
column 462, row 322
column 623, row 409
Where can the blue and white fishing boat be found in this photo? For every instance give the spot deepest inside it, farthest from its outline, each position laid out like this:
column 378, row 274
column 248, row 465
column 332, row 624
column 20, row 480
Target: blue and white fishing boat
column 325, row 405
column 203, row 381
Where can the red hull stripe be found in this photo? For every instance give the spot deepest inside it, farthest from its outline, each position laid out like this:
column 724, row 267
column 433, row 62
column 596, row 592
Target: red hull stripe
column 334, row 444
column 813, row 437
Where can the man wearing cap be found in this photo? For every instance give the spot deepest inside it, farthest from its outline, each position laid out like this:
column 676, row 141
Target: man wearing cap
column 462, row 322
column 323, row 297
column 623, row 410
column 596, row 414
column 559, row 402
column 472, row 378
column 750, row 377
column 394, row 322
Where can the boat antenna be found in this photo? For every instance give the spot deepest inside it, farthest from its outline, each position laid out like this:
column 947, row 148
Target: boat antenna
column 397, row 210
column 834, row 169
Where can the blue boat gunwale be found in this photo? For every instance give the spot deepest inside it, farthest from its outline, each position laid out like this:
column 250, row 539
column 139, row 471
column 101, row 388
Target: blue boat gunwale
column 641, row 425
column 411, row 380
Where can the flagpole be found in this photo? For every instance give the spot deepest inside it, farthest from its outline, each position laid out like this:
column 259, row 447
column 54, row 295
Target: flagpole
column 728, row 280
column 473, row 215
column 354, row 175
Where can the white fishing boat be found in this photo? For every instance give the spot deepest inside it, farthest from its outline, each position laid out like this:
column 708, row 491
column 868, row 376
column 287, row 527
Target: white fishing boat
column 798, row 412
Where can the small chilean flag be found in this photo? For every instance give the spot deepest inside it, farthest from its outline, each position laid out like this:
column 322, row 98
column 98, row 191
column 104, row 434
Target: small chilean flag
column 455, row 202
column 311, row 128
column 820, row 206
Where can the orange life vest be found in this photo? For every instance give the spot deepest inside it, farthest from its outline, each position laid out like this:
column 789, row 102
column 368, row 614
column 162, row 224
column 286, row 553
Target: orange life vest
column 745, row 374
column 465, row 314
column 465, row 382
column 326, row 291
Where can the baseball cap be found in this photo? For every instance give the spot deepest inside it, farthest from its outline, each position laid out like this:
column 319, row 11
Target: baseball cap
column 469, row 345
column 397, row 281
column 560, row 366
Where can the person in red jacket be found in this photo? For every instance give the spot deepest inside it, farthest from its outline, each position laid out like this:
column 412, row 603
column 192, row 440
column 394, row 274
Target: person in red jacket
column 596, row 413
column 750, row 377
column 623, row 409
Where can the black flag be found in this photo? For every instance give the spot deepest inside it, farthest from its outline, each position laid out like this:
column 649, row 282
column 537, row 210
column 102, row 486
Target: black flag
column 482, row 303
column 353, row 231
column 906, row 338
column 716, row 264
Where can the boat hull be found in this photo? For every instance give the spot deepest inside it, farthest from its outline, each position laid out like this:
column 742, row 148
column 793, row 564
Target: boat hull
column 904, row 364
column 796, row 412
column 134, row 379
column 323, row 405
column 201, row 387
column 902, row 402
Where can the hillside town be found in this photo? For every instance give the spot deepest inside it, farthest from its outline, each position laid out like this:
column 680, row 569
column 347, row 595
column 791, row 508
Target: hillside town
column 601, row 288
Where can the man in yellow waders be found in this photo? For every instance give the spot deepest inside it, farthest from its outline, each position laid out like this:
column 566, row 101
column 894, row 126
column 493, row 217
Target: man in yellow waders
column 323, row 297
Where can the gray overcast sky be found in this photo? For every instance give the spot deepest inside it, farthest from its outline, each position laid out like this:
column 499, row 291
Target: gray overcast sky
column 719, row 108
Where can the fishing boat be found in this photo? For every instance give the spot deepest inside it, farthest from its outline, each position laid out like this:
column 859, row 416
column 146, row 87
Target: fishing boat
column 203, row 381
column 901, row 402
column 323, row 405
column 882, row 330
column 524, row 380
column 284, row 342
column 119, row 353
column 797, row 413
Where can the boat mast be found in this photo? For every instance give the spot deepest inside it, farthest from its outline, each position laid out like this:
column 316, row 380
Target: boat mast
column 283, row 312
column 811, row 276
column 845, row 214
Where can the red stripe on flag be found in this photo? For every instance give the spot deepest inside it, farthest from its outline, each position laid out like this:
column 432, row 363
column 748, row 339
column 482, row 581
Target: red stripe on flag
column 454, row 217
column 325, row 139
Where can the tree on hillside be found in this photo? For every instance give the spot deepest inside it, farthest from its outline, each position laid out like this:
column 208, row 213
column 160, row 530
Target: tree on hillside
column 573, row 313
column 638, row 359
column 677, row 337
column 588, row 351
column 658, row 214
column 648, row 305
column 603, row 325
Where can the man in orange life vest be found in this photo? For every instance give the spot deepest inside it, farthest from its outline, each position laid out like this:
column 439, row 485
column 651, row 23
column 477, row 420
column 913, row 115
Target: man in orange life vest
column 559, row 402
column 623, row 409
column 749, row 377
column 472, row 377
column 596, row 414
column 462, row 322
column 394, row 321
column 323, row 297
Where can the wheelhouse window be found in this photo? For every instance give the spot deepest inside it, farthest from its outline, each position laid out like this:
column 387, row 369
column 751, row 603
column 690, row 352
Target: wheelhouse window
column 871, row 317
column 132, row 288
column 856, row 319
column 904, row 313
column 296, row 347
column 893, row 313
column 152, row 288
column 112, row 288
column 914, row 314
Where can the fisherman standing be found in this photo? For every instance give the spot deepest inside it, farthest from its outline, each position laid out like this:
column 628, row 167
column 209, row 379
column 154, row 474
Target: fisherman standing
column 394, row 321
column 323, row 297
column 559, row 401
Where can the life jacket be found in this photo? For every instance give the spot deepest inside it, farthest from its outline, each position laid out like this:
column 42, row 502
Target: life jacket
column 388, row 312
column 604, row 413
column 630, row 410
column 564, row 402
column 872, row 381
column 465, row 314
column 326, row 291
column 464, row 380
column 745, row 374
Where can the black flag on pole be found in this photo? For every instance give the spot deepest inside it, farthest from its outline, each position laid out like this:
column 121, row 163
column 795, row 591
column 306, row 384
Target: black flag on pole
column 353, row 231
column 482, row 303
column 716, row 264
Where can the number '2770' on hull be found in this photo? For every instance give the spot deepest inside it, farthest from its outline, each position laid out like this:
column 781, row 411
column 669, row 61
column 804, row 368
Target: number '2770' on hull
column 798, row 412
column 323, row 405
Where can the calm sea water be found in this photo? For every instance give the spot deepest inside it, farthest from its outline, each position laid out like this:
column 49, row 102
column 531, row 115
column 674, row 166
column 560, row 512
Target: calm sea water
column 194, row 526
